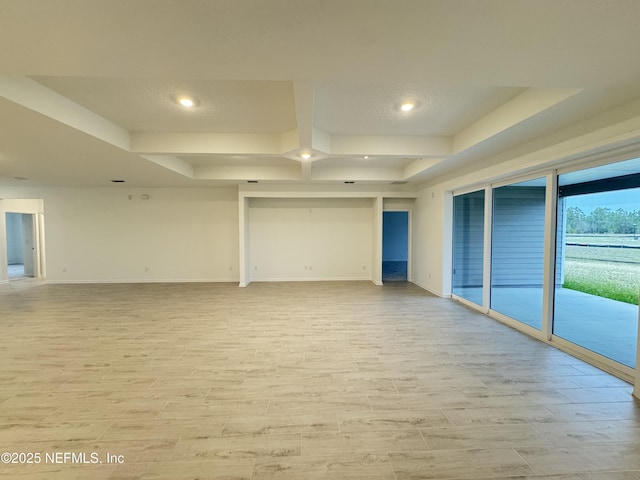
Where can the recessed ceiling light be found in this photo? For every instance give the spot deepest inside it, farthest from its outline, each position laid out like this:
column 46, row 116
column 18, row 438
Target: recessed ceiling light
column 407, row 106
column 186, row 102
column 305, row 156
column 366, row 157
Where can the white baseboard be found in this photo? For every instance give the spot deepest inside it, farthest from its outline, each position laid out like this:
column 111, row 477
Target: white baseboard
column 312, row 279
column 146, row 280
column 430, row 290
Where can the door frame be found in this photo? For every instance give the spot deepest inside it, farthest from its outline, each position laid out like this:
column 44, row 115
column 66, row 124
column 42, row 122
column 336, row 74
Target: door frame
column 29, row 207
column 30, row 245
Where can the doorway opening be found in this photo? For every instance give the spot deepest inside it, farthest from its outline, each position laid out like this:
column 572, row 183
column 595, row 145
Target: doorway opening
column 395, row 246
column 21, row 246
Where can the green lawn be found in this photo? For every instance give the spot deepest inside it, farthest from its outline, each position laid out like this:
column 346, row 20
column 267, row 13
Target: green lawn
column 606, row 272
column 617, row 281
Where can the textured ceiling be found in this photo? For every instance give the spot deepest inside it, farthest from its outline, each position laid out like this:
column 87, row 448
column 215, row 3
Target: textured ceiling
column 150, row 105
column 87, row 89
column 372, row 109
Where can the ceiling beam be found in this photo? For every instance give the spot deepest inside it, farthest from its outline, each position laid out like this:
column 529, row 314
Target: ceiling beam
column 303, row 97
column 172, row 163
column 398, row 145
column 310, row 138
column 306, row 169
column 208, row 143
column 34, row 96
column 246, row 172
column 373, row 174
column 524, row 106
column 419, row 166
column 320, row 141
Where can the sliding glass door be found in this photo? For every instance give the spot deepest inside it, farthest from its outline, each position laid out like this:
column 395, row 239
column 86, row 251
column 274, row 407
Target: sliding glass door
column 596, row 273
column 598, row 269
column 517, row 251
column 468, row 245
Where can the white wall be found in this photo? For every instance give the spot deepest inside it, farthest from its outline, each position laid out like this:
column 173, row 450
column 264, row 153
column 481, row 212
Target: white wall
column 101, row 235
column 311, row 238
column 193, row 234
column 22, row 205
column 429, row 232
column 398, row 204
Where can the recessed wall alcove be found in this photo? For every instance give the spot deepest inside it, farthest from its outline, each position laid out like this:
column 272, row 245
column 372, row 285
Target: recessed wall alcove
column 312, row 235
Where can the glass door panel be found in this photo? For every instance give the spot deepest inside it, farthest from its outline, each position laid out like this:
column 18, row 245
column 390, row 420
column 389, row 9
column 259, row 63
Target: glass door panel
column 517, row 260
column 598, row 266
column 468, row 245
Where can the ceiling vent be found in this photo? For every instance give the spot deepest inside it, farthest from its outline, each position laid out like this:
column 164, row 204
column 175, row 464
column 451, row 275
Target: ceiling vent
column 399, row 183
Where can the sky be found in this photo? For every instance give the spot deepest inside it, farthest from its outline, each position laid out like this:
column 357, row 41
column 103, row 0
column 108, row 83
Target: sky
column 628, row 200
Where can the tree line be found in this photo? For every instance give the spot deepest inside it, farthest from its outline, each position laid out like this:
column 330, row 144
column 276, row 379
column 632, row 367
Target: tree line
column 602, row 220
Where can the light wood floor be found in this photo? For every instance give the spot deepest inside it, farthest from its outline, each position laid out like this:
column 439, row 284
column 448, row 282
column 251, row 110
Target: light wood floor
column 296, row 381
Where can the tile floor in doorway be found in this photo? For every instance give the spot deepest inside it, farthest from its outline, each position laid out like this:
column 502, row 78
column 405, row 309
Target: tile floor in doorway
column 394, row 271
column 296, row 381
column 16, row 271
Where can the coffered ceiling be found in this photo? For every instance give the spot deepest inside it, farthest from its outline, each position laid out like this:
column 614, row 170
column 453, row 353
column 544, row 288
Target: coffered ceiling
column 89, row 90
